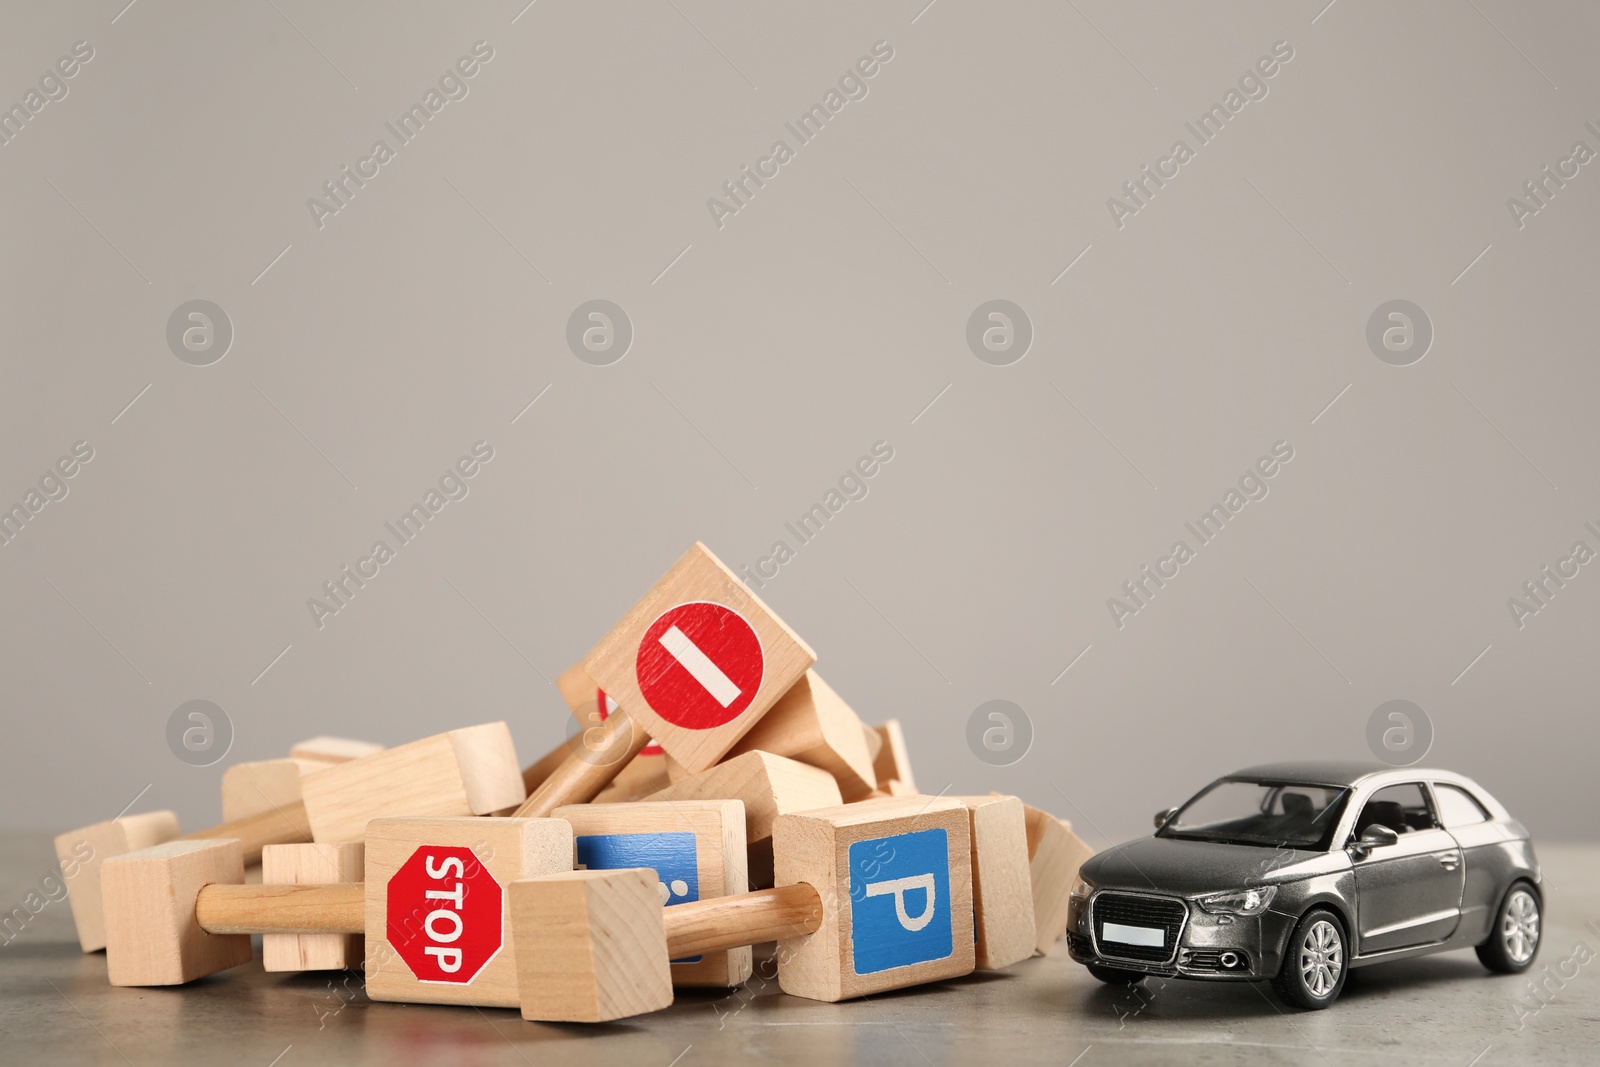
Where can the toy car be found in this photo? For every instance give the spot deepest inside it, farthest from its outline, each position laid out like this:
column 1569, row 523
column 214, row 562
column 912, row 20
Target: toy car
column 1297, row 872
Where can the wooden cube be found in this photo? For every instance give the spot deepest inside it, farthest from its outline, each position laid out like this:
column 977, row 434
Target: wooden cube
column 696, row 848
column 152, row 935
column 605, row 929
column 81, row 854
column 1054, row 855
column 812, row 724
column 698, row 660
column 892, row 763
column 456, row 938
column 895, row 877
column 1002, row 888
column 470, row 771
column 312, row 864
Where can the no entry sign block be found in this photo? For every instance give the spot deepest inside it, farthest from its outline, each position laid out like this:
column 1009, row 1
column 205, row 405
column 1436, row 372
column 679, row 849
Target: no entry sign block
column 437, row 888
column 698, row 660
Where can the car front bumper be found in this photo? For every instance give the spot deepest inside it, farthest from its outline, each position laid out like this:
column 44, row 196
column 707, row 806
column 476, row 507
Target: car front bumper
column 1208, row 947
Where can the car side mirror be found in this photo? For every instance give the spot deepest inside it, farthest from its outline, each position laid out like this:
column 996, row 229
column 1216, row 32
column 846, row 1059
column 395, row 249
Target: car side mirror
column 1163, row 815
column 1375, row 836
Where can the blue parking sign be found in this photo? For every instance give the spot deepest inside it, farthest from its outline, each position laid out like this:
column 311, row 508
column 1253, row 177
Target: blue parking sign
column 672, row 856
column 900, row 900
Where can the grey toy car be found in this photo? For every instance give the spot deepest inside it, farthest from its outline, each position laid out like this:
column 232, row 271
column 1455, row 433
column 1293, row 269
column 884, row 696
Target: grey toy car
column 1297, row 872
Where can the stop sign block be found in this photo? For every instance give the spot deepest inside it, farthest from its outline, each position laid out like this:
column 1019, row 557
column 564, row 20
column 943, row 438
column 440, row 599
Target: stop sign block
column 698, row 660
column 436, row 889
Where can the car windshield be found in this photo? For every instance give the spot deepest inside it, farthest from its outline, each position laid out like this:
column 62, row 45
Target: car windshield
column 1270, row 814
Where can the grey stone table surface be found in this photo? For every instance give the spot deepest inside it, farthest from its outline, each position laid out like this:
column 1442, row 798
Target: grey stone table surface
column 56, row 1008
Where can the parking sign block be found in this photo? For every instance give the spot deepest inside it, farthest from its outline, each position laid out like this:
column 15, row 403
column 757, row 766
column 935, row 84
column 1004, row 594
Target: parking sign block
column 900, row 900
column 900, row 873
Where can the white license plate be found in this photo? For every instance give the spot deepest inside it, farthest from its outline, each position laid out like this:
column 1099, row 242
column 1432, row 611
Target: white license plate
column 1148, row 936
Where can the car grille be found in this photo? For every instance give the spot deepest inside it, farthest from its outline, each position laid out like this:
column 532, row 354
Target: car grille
column 1128, row 909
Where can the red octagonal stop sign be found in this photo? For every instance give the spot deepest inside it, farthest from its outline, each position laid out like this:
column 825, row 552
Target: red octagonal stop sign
column 446, row 914
column 699, row 665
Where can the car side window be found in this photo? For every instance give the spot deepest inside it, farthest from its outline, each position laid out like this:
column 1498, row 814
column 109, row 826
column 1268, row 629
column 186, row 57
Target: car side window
column 1457, row 807
column 1402, row 808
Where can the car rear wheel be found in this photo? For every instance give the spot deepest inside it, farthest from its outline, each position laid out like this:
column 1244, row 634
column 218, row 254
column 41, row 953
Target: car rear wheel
column 1514, row 941
column 1115, row 975
column 1315, row 963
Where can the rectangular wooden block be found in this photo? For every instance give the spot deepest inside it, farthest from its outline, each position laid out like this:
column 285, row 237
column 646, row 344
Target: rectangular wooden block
column 812, row 724
column 1002, row 887
column 892, row 763
column 689, row 642
column 1054, row 855
column 469, row 864
column 470, row 771
column 768, row 785
column 333, row 749
column 81, row 854
column 261, row 786
column 874, row 744
column 696, row 848
column 312, row 864
column 895, row 877
column 594, row 947
column 164, row 945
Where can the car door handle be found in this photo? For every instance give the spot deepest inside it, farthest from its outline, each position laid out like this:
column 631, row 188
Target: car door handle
column 1449, row 861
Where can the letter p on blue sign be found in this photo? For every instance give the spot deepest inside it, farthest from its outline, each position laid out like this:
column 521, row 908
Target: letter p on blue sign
column 895, row 878
column 900, row 900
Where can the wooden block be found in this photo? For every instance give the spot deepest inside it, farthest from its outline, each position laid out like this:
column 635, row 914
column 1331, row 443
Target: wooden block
column 874, row 744
column 81, row 854
column 452, row 948
column 640, row 778
column 768, row 785
column 152, row 934
column 471, row 771
column 892, row 764
column 1054, row 855
column 311, row 864
column 696, row 848
column 812, row 724
column 262, row 786
column 646, row 772
column 698, row 660
column 333, row 749
column 605, row 928
column 895, row 878
column 1002, row 888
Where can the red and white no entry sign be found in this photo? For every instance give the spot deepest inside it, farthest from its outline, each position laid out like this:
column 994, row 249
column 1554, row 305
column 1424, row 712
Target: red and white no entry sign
column 699, row 665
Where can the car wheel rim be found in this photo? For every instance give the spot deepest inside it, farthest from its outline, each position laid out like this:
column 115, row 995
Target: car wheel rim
column 1321, row 958
column 1519, row 927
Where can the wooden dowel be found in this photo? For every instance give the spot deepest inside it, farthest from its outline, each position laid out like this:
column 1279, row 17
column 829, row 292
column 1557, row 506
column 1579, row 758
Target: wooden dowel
column 594, row 761
column 747, row 919
column 282, row 909
column 285, row 824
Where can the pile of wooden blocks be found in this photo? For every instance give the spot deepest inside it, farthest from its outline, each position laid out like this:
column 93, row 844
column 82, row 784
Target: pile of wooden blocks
column 717, row 796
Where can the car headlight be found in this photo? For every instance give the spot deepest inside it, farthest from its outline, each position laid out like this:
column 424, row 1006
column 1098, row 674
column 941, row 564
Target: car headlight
column 1243, row 902
column 1081, row 889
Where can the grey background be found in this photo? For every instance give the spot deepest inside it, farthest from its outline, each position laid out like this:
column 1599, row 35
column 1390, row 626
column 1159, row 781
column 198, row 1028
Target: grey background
column 769, row 355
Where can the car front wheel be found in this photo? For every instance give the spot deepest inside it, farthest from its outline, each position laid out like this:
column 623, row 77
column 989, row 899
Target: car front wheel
column 1315, row 963
column 1514, row 942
